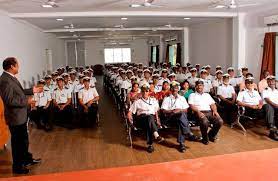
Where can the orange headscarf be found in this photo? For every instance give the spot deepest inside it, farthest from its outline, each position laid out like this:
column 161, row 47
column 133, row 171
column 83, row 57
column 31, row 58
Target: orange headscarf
column 4, row 130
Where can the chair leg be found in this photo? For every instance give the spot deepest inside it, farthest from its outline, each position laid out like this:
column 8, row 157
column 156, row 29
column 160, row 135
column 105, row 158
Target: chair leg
column 130, row 137
column 238, row 123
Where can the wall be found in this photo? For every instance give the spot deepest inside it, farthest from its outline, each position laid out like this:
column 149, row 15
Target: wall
column 211, row 43
column 28, row 44
column 95, row 55
column 255, row 31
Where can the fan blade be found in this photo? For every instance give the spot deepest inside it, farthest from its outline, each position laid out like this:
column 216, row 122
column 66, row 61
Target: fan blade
column 247, row 5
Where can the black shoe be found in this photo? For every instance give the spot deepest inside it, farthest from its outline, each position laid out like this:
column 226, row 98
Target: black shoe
column 273, row 135
column 150, row 149
column 182, row 148
column 32, row 162
column 159, row 139
column 21, row 170
column 205, row 141
column 192, row 137
column 212, row 139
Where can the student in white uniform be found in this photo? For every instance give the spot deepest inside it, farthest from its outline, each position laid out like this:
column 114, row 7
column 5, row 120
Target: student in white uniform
column 175, row 109
column 163, row 78
column 40, row 111
column 217, row 81
column 270, row 98
column 209, row 76
column 48, row 86
column 145, row 110
column 88, row 100
column 181, row 77
column 227, row 95
column 62, row 104
column 193, row 78
column 250, row 99
column 233, row 80
column 205, row 110
column 207, row 81
column 146, row 79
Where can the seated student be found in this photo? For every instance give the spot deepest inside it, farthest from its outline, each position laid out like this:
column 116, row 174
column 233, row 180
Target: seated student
column 242, row 85
column 175, row 108
column 146, row 109
column 207, row 81
column 164, row 92
column 88, row 98
column 193, row 77
column 134, row 94
column 62, row 103
column 227, row 95
column 205, row 110
column 163, row 78
column 146, row 79
column 185, row 90
column 250, row 99
column 217, row 81
column 40, row 111
column 270, row 97
column 263, row 83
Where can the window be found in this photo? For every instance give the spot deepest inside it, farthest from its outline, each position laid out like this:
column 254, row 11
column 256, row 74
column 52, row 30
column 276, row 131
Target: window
column 117, row 55
column 173, row 54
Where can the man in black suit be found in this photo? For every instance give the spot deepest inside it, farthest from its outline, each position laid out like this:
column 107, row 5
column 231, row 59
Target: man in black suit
column 16, row 103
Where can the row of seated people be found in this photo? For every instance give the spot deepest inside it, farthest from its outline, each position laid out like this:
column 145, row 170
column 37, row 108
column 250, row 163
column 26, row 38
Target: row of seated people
column 203, row 100
column 65, row 100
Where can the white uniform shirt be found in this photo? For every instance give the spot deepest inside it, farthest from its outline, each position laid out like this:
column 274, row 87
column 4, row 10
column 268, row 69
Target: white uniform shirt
column 142, row 106
column 210, row 77
column 87, row 94
column 144, row 82
column 61, row 96
column 216, row 82
column 233, row 81
column 93, row 81
column 181, row 77
column 78, row 87
column 171, row 103
column 126, row 84
column 226, row 91
column 249, row 97
column 207, row 85
column 42, row 98
column 272, row 95
column 192, row 81
column 201, row 101
column 70, row 87
column 161, row 80
column 49, row 88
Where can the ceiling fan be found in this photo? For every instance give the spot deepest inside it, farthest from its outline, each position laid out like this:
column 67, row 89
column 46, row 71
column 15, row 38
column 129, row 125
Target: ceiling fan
column 232, row 5
column 146, row 4
column 50, row 4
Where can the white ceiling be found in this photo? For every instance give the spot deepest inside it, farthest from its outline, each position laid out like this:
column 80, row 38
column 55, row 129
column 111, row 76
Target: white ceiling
column 94, row 14
column 34, row 6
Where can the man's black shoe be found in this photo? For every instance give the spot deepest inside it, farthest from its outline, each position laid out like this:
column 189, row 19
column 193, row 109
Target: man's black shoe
column 150, row 149
column 273, row 135
column 212, row 139
column 205, row 141
column 192, row 137
column 33, row 162
column 21, row 170
column 159, row 139
column 182, row 148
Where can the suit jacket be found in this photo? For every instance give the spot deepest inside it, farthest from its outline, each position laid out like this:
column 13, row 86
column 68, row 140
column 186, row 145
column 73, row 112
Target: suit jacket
column 15, row 100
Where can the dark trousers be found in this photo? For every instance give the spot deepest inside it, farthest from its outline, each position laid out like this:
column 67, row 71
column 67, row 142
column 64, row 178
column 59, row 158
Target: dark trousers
column 20, row 145
column 147, row 123
column 183, row 125
column 63, row 117
column 229, row 111
column 271, row 112
column 40, row 116
column 91, row 115
column 217, row 122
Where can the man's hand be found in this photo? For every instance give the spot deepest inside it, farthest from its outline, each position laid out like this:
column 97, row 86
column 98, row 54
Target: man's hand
column 86, row 109
column 200, row 115
column 215, row 114
column 62, row 107
column 31, row 101
column 37, row 89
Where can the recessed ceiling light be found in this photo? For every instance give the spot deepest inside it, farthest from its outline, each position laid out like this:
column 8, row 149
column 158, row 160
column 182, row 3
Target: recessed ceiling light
column 72, row 31
column 67, row 27
column 135, row 5
column 186, row 18
column 124, row 18
column 60, row 19
column 220, row 6
column 47, row 6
